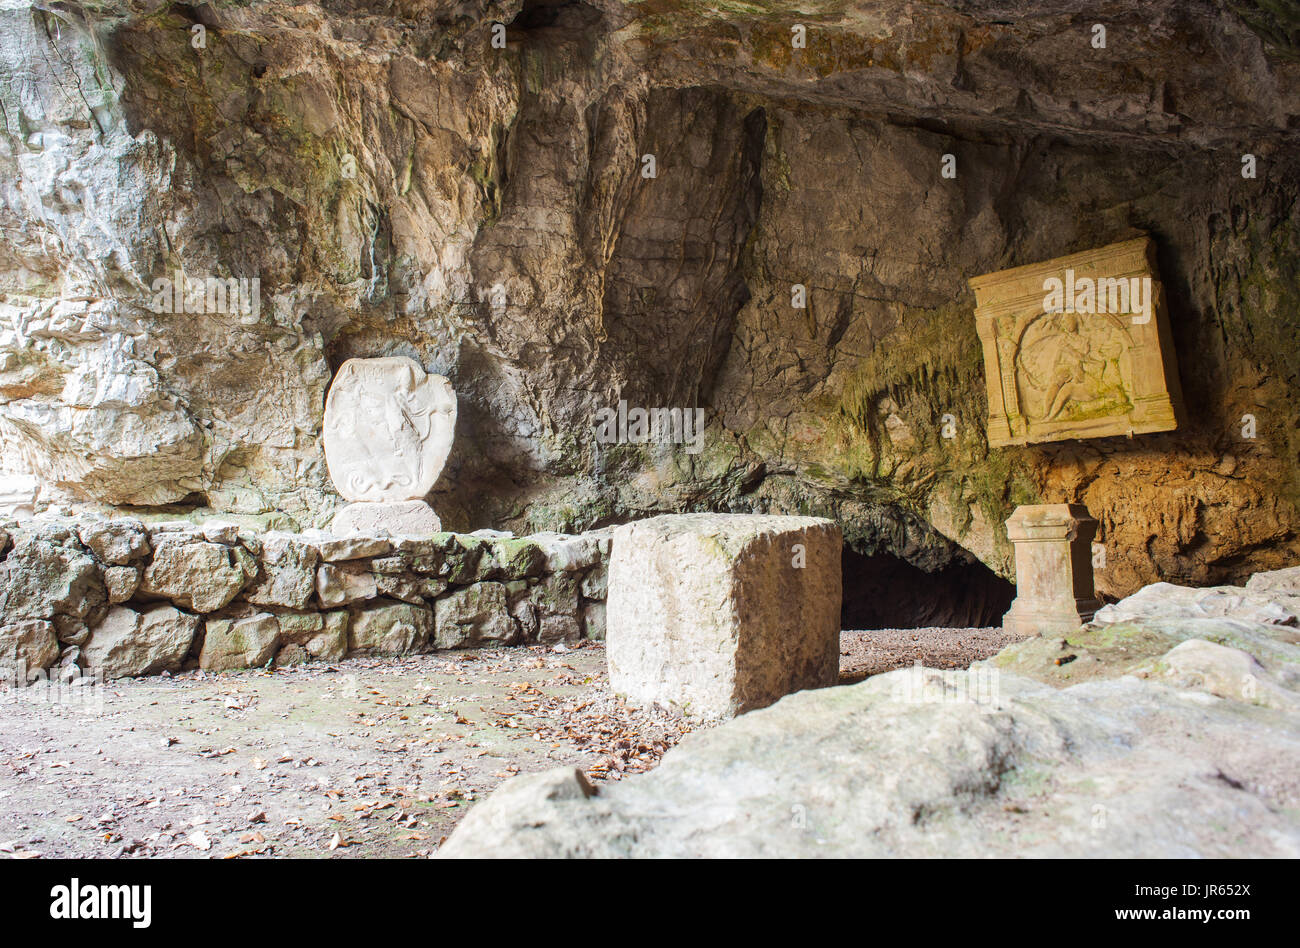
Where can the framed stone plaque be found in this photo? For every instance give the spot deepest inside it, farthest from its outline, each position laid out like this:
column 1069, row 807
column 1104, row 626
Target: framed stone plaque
column 1077, row 347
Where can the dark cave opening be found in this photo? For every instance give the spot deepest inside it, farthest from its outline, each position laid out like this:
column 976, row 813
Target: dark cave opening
column 544, row 14
column 882, row 591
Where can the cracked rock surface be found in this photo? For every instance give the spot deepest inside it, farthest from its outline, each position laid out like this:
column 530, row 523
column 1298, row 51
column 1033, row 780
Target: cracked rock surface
column 1161, row 735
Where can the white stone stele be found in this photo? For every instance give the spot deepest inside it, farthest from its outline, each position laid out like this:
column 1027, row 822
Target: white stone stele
column 388, row 429
column 413, row 518
column 718, row 614
column 1054, row 583
column 18, row 494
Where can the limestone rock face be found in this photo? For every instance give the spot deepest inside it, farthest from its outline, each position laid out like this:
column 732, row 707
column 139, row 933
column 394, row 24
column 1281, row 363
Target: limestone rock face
column 719, row 614
column 388, row 429
column 482, row 212
column 18, row 494
column 130, row 643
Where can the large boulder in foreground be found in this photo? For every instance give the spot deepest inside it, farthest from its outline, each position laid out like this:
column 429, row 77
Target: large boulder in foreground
column 718, row 614
column 1119, row 768
column 1179, row 738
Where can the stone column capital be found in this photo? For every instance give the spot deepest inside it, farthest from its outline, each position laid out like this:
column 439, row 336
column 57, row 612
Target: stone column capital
column 1047, row 522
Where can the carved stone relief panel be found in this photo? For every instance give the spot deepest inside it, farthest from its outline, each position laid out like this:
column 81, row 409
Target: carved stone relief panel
column 388, row 429
column 1077, row 347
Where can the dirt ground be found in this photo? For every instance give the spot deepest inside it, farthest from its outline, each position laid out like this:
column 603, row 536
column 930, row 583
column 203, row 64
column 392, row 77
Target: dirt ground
column 365, row 757
column 874, row 652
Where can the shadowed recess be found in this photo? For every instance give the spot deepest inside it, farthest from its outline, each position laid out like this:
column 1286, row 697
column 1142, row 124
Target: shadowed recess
column 882, row 591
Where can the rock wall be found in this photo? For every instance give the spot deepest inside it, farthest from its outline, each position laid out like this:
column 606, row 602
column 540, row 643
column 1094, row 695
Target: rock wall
column 126, row 598
column 400, row 186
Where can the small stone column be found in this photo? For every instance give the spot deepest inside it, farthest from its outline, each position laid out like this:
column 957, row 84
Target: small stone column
column 1054, row 590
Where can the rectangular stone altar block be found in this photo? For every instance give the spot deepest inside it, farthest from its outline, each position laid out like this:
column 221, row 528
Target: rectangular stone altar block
column 1077, row 347
column 1054, row 586
column 718, row 614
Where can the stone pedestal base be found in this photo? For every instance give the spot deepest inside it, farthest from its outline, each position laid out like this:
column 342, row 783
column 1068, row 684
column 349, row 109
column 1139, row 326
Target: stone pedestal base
column 399, row 518
column 718, row 614
column 1054, row 586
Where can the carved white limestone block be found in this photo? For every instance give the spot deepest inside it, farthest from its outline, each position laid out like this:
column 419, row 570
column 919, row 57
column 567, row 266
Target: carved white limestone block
column 1054, row 585
column 394, row 519
column 719, row 614
column 388, row 429
column 18, row 494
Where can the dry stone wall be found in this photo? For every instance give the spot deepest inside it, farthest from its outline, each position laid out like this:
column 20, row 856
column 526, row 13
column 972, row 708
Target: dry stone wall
column 124, row 598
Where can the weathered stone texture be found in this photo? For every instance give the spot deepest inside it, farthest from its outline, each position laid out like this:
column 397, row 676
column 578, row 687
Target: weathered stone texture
column 130, row 643
column 288, row 575
column 1185, row 747
column 1054, row 582
column 775, row 167
column 259, row 593
column 196, row 574
column 718, row 614
column 248, row 642
column 41, row 578
column 27, row 645
column 390, row 628
column 475, row 616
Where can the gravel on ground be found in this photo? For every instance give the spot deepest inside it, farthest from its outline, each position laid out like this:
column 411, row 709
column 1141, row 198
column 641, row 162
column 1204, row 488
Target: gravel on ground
column 876, row 651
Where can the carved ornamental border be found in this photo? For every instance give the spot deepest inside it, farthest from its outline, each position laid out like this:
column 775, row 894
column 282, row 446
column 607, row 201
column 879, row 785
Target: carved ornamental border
column 1041, row 365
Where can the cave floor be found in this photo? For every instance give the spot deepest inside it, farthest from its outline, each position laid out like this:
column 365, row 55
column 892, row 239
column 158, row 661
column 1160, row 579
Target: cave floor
column 876, row 651
column 362, row 758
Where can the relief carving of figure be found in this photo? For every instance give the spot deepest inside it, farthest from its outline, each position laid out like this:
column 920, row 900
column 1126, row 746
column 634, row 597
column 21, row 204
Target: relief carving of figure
column 1067, row 369
column 388, row 429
